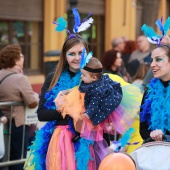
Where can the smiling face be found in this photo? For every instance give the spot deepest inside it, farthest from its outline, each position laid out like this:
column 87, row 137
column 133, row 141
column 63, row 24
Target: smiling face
column 73, row 56
column 160, row 64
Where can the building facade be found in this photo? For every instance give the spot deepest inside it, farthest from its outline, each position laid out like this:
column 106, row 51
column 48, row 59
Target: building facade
column 29, row 23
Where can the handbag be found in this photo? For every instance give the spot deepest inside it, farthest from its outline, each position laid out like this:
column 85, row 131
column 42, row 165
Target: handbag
column 2, row 145
column 152, row 156
column 6, row 77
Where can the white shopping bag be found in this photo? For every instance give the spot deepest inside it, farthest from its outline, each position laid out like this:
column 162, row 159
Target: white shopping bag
column 2, row 146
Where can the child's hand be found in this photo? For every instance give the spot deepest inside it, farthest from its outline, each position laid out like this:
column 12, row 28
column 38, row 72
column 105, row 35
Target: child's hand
column 3, row 119
column 86, row 116
column 110, row 127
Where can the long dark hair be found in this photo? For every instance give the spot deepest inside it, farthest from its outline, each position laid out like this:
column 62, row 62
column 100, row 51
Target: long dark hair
column 69, row 43
column 109, row 59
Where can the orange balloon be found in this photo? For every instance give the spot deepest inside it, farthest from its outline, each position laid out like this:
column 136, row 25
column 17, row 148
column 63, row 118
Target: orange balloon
column 117, row 161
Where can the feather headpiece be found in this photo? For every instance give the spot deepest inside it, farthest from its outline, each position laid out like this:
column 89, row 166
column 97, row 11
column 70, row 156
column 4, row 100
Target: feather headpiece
column 86, row 23
column 117, row 145
column 152, row 36
column 61, row 24
column 78, row 25
column 85, row 58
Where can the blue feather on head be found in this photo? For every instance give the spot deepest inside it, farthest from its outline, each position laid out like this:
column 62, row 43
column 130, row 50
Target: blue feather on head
column 81, row 26
column 76, row 20
column 85, row 58
column 61, row 24
column 152, row 36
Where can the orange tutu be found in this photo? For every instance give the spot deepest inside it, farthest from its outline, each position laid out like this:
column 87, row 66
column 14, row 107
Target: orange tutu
column 60, row 154
column 72, row 103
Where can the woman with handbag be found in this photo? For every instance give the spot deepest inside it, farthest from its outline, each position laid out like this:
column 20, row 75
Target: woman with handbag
column 14, row 86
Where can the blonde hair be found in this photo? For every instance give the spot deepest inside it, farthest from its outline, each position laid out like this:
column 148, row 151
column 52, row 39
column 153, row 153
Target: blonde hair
column 69, row 43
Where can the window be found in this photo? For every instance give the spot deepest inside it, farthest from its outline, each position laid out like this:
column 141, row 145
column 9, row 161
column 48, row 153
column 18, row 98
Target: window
column 29, row 35
column 95, row 36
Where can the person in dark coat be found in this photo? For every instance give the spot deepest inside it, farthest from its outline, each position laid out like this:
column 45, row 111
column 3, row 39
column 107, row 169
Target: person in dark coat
column 102, row 95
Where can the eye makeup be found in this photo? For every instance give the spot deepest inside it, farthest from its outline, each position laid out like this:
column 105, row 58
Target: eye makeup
column 159, row 59
column 73, row 54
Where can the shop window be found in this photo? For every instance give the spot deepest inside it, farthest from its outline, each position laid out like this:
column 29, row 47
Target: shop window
column 29, row 36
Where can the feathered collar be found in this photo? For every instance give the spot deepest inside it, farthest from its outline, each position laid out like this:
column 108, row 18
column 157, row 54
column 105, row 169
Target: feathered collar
column 66, row 81
column 43, row 136
column 156, row 109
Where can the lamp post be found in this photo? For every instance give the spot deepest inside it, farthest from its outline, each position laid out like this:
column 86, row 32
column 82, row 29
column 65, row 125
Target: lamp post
column 73, row 4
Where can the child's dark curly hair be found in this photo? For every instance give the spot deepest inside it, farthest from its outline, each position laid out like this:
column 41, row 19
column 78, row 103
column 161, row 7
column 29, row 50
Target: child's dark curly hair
column 9, row 55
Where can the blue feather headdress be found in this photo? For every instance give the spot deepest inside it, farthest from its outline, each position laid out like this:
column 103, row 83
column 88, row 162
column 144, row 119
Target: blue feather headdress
column 152, row 36
column 117, row 145
column 78, row 25
column 61, row 24
column 85, row 58
column 81, row 26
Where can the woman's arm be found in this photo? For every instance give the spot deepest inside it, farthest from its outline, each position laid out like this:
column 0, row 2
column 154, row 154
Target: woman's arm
column 29, row 97
column 143, row 129
column 43, row 113
column 144, row 132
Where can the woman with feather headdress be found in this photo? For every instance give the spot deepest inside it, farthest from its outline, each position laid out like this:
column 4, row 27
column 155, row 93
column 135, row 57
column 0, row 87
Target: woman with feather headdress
column 154, row 114
column 53, row 148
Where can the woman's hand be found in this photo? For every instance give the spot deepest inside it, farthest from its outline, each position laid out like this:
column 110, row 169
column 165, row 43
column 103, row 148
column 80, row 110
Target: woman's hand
column 156, row 135
column 3, row 119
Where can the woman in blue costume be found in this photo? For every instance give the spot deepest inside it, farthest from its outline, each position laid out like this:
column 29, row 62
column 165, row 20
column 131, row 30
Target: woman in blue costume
column 53, row 148
column 155, row 110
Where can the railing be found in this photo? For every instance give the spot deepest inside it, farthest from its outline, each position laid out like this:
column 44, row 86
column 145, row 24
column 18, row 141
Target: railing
column 7, row 160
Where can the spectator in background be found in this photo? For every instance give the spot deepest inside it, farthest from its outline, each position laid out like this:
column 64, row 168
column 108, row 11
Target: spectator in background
column 118, row 44
column 112, row 62
column 130, row 46
column 140, row 75
column 141, row 55
column 15, row 87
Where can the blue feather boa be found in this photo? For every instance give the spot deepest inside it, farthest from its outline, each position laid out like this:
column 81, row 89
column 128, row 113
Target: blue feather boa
column 82, row 155
column 65, row 82
column 40, row 145
column 156, row 109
